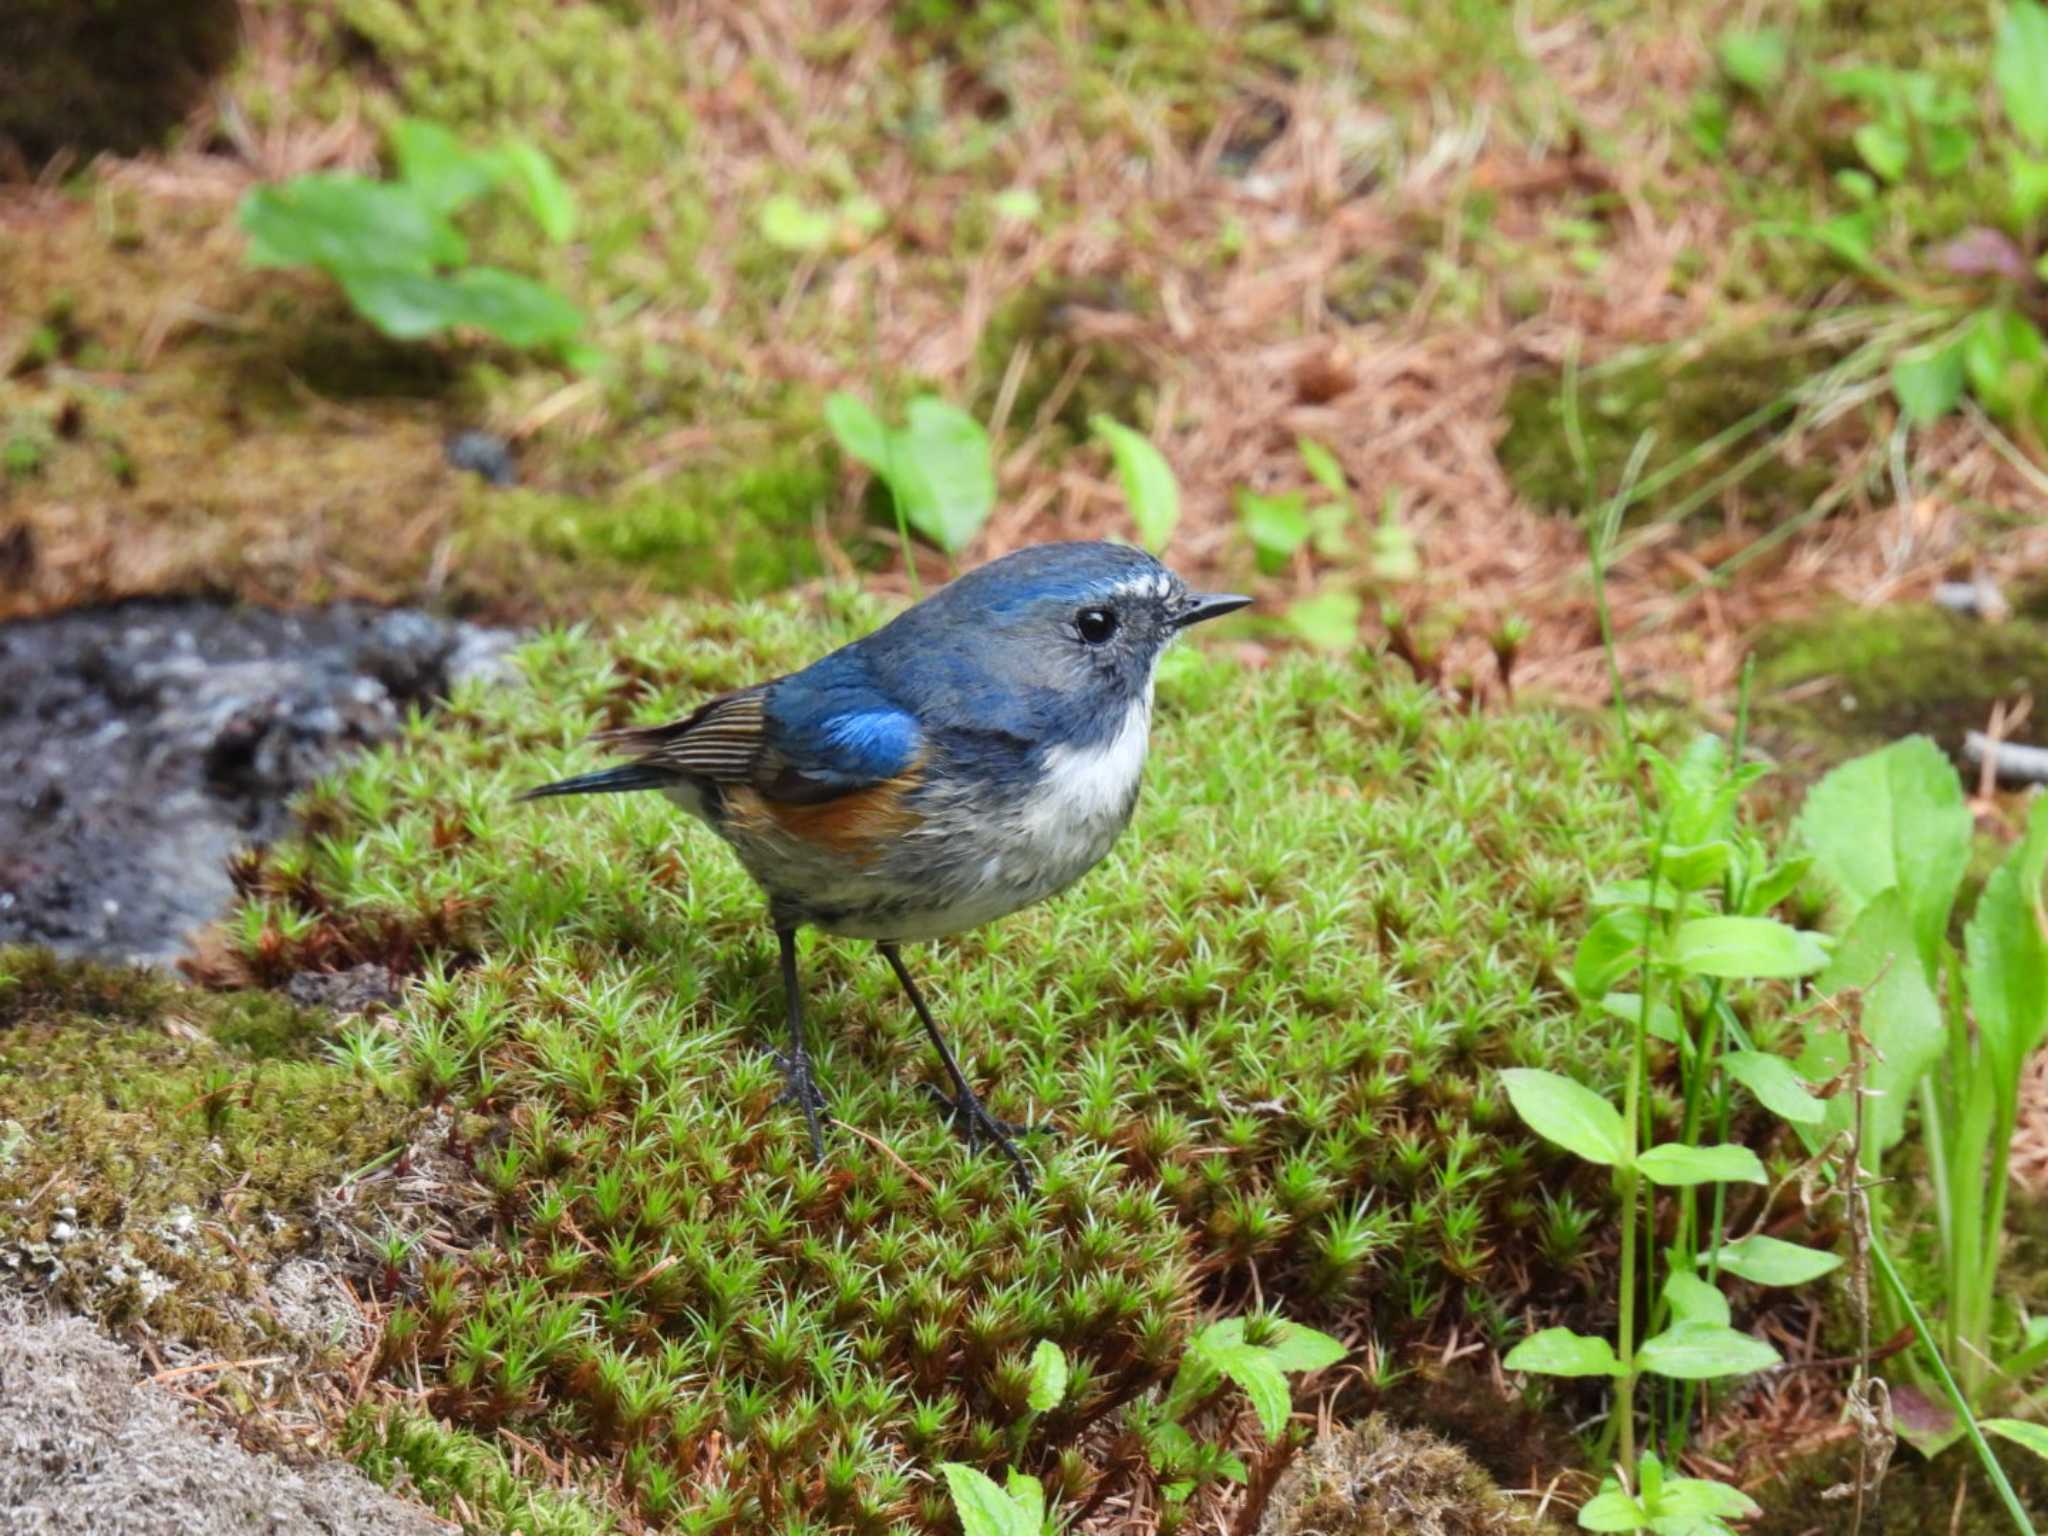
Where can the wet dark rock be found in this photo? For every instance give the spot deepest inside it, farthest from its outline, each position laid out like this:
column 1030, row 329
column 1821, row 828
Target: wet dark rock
column 142, row 744
column 485, row 454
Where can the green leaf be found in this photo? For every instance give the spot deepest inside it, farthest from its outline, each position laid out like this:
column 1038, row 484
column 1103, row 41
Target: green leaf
column 1677, row 1164
column 1948, row 150
column 1327, row 620
column 863, row 213
column 1017, row 205
column 942, row 471
column 1612, row 1510
column 2020, row 66
column 1611, row 949
column 789, row 224
column 1560, row 1352
column 1780, row 881
column 1900, row 1014
column 1894, row 817
column 1929, row 382
column 437, row 169
column 1765, row 1260
column 1028, row 1495
column 1696, row 1499
column 1394, row 555
column 1276, row 525
column 1776, row 1084
column 1754, row 60
column 2005, row 957
column 1170, row 1447
column 984, row 1509
column 1253, row 1369
column 2033, row 1436
column 1150, row 490
column 1741, row 947
column 1628, row 1007
column 858, row 430
column 1697, row 867
column 347, row 224
column 1885, row 149
column 1567, row 1113
column 1323, row 464
column 1297, row 1348
column 516, row 310
column 1704, row 1351
column 1048, row 1377
column 1693, row 1300
column 2026, row 181
column 2004, row 356
column 547, row 196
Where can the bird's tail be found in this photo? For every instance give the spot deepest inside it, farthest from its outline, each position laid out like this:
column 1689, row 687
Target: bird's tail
column 609, row 781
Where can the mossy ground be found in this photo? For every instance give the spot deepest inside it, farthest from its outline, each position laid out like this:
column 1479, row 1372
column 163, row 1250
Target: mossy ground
column 164, row 1153
column 1262, row 1032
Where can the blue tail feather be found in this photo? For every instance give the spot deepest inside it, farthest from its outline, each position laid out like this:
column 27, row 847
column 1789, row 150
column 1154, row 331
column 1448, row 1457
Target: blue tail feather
column 609, row 781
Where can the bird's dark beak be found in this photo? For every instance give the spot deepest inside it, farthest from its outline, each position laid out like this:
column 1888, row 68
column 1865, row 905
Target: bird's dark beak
column 1203, row 606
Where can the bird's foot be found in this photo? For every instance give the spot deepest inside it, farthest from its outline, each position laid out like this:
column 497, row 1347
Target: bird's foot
column 973, row 1124
column 801, row 1089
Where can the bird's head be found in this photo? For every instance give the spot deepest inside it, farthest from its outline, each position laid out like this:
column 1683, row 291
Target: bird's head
column 1082, row 622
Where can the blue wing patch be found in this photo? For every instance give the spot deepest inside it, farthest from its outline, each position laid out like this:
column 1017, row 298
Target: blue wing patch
column 830, row 731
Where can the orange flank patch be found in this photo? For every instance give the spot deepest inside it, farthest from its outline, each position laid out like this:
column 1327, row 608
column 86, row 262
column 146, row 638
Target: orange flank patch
column 855, row 824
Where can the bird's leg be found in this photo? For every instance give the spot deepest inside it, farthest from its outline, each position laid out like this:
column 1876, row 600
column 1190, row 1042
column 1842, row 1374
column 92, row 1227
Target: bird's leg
column 802, row 1089
column 969, row 1116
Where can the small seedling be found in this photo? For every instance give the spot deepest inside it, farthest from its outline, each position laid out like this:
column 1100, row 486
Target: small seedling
column 1666, row 1506
column 395, row 250
column 1150, row 489
column 937, row 465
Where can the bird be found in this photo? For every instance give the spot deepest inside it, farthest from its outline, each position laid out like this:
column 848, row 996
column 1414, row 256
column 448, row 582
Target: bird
column 975, row 755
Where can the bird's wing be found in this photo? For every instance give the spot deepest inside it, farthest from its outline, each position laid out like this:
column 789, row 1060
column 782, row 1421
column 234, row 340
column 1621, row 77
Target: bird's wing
column 812, row 737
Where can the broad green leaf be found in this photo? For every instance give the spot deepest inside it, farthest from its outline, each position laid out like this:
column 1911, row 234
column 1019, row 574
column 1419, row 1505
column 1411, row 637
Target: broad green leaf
column 1693, row 1300
column 1929, row 382
column 1018, row 205
column 1612, row 1510
column 789, row 224
column 1628, row 1007
column 2033, row 1436
column 1894, row 817
column 941, row 467
column 1948, row 149
column 1560, row 1352
column 1028, row 1495
column 1660, row 896
column 1048, row 1377
column 1323, row 464
column 1150, row 490
column 1754, row 60
column 2004, row 356
column 1704, row 1351
column 1697, row 867
column 1776, row 1084
column 435, row 166
column 1611, row 949
column 403, row 305
column 1327, row 620
column 1254, row 1370
column 858, row 430
column 1743, row 947
column 1276, row 525
column 1778, row 882
column 1765, row 1260
column 2005, row 956
column 1696, row 1498
column 1298, row 1348
column 1885, row 149
column 347, row 224
column 1677, row 1164
column 547, row 196
column 2026, row 182
column 984, row 1509
column 2020, row 66
column 1567, row 1113
column 1900, row 1015
column 515, row 309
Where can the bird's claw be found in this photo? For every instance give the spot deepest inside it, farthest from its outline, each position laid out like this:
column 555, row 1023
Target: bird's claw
column 973, row 1124
column 800, row 1088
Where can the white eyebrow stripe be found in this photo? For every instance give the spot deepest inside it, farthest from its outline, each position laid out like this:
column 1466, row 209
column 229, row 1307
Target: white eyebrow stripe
column 1146, row 584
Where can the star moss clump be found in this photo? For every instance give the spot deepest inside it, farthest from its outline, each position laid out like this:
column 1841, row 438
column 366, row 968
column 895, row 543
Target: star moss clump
column 1263, row 1030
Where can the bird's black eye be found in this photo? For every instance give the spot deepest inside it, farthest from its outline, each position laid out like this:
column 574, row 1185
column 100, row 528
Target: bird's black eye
column 1095, row 625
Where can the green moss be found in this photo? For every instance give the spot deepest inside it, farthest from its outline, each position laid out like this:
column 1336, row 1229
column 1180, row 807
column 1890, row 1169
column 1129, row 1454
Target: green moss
column 1686, row 397
column 174, row 1147
column 1263, row 1031
column 458, row 1473
column 1856, row 678
column 1947, row 1494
